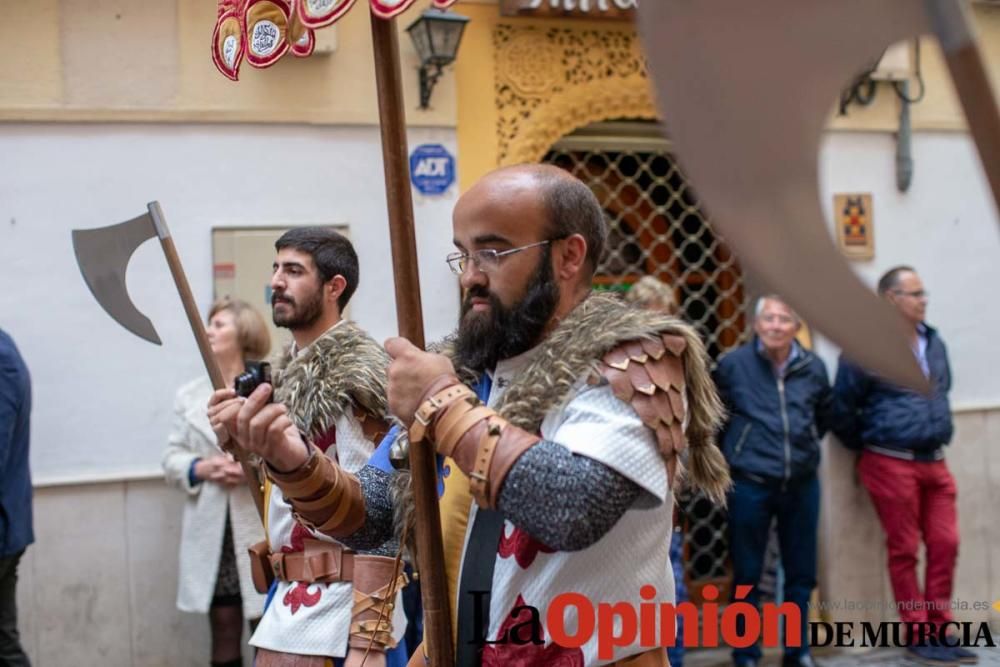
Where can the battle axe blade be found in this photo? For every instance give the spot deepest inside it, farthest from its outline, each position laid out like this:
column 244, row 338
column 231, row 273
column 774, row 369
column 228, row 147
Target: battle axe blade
column 745, row 89
column 103, row 255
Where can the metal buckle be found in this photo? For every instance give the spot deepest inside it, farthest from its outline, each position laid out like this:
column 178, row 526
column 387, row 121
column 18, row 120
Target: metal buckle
column 278, row 565
column 423, row 421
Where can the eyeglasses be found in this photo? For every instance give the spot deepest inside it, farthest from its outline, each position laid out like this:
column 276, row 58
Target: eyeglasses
column 916, row 294
column 485, row 260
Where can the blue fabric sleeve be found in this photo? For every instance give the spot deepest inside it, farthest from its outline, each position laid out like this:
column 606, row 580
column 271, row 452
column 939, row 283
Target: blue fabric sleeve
column 849, row 390
column 192, row 478
column 380, row 457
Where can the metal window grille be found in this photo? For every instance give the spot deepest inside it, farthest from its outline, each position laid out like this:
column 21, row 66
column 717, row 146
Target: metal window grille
column 657, row 227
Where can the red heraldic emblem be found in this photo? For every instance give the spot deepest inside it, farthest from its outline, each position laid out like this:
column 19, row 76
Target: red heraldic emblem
column 522, row 546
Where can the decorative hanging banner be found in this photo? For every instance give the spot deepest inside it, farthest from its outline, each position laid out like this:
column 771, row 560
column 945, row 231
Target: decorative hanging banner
column 317, row 14
column 228, row 41
column 304, row 46
column 266, row 23
column 262, row 31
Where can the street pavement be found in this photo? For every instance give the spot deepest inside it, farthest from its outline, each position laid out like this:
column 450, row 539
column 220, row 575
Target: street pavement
column 884, row 657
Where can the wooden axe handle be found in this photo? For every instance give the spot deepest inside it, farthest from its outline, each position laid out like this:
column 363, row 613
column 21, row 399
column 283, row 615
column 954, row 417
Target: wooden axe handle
column 198, row 329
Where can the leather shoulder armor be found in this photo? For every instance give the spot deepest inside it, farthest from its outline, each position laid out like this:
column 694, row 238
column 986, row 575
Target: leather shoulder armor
column 649, row 375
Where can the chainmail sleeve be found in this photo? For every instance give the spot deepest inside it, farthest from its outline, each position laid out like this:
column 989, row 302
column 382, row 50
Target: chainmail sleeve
column 565, row 500
column 376, row 535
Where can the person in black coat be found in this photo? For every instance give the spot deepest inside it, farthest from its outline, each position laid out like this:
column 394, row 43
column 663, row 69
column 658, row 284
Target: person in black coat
column 15, row 492
column 777, row 395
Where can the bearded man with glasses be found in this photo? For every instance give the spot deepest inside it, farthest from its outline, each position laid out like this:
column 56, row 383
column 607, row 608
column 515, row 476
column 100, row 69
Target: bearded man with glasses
column 559, row 416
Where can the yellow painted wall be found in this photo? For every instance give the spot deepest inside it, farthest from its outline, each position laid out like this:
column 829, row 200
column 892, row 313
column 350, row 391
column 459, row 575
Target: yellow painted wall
column 150, row 60
column 477, row 115
column 474, row 76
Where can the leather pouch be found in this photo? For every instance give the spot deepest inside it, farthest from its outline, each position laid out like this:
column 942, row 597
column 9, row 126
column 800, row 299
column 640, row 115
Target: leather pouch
column 261, row 571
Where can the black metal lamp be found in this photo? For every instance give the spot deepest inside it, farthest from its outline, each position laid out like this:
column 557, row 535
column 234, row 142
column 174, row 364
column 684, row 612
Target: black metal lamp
column 436, row 36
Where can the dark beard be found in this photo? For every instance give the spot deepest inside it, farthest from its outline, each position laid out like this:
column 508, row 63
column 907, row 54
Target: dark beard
column 502, row 333
column 299, row 317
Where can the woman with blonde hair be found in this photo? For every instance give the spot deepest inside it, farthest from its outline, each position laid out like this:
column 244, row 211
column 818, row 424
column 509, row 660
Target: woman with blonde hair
column 220, row 520
column 653, row 294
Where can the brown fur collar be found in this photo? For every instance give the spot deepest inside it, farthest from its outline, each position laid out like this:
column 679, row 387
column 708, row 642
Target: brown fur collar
column 571, row 352
column 342, row 369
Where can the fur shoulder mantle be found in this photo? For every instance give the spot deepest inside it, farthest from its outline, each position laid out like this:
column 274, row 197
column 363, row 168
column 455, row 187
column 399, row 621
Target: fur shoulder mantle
column 573, row 350
column 341, row 370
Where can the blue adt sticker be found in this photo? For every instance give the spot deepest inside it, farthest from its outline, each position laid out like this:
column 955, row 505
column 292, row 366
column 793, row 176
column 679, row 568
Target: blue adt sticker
column 432, row 169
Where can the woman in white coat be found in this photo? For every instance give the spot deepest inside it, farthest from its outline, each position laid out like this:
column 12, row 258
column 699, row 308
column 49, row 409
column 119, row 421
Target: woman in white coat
column 220, row 520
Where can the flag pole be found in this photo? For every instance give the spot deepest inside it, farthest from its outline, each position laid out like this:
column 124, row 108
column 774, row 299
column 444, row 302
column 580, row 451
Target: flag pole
column 395, row 159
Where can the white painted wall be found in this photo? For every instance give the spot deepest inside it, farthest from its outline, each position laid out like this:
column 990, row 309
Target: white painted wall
column 102, row 395
column 946, row 227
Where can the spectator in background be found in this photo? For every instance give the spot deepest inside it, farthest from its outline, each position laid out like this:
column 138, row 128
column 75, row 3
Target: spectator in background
column 901, row 436
column 654, row 294
column 15, row 492
column 220, row 520
column 777, row 395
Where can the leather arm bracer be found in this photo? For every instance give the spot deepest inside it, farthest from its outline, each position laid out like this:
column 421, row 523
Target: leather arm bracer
column 483, row 444
column 376, row 581
column 323, row 496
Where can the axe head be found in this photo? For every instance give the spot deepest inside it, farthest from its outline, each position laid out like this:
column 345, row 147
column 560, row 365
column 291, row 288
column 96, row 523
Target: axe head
column 103, row 255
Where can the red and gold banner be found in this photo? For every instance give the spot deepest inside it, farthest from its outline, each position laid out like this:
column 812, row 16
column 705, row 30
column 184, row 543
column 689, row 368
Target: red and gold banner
column 262, row 31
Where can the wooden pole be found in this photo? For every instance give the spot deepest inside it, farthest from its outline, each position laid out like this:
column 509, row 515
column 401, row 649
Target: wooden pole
column 395, row 160
column 201, row 338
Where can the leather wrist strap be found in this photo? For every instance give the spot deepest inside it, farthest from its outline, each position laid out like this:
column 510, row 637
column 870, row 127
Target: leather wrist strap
column 349, row 514
column 323, row 496
column 454, row 423
column 479, row 480
column 513, row 442
column 423, row 418
column 484, row 446
column 302, row 482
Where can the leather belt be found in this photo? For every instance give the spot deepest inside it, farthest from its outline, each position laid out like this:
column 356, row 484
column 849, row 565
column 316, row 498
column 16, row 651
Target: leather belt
column 319, row 562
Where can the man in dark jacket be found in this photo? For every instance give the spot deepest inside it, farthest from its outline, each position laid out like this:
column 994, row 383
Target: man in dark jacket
column 901, row 436
column 15, row 492
column 777, row 394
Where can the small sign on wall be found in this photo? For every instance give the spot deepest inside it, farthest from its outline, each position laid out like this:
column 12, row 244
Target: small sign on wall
column 852, row 214
column 432, row 169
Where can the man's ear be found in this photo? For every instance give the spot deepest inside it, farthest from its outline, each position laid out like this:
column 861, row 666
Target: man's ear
column 334, row 287
column 571, row 256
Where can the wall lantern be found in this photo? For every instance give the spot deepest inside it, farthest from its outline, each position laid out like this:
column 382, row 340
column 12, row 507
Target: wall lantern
column 436, row 36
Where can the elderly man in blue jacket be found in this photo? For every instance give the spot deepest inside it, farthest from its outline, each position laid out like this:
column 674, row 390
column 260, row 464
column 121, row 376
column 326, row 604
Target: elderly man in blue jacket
column 777, row 394
column 901, row 436
column 15, row 492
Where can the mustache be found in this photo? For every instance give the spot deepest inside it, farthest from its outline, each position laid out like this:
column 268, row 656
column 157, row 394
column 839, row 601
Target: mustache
column 281, row 297
column 477, row 292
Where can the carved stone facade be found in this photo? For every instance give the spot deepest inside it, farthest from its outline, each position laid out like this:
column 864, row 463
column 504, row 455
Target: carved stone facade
column 552, row 81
